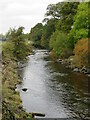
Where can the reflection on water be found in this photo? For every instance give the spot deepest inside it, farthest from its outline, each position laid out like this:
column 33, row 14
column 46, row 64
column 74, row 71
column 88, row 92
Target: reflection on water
column 52, row 89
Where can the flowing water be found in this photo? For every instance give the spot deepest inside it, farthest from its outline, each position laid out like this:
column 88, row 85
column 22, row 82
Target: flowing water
column 52, row 88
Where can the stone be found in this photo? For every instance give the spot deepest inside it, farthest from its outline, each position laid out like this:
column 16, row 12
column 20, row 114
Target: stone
column 24, row 89
column 75, row 70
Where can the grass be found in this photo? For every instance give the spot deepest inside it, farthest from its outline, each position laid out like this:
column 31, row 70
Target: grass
column 12, row 104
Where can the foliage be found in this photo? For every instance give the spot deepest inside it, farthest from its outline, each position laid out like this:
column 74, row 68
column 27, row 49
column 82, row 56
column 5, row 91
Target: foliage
column 80, row 27
column 60, row 18
column 59, row 44
column 20, row 47
column 53, row 10
column 67, row 13
column 26, row 36
column 2, row 36
column 47, row 32
column 53, row 55
column 81, row 52
column 35, row 34
column 7, row 50
column 64, row 13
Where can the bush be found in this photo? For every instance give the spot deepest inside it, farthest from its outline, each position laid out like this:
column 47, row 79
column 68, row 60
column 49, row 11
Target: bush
column 81, row 53
column 7, row 51
column 59, row 44
column 53, row 55
column 20, row 48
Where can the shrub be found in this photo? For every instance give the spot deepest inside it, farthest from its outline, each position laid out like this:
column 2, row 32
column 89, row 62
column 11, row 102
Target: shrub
column 81, row 52
column 59, row 44
column 7, row 50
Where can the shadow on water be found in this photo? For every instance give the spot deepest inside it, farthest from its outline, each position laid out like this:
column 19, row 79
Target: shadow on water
column 52, row 89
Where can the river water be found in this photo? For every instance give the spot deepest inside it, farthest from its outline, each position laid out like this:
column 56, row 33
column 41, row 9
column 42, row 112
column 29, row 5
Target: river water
column 52, row 89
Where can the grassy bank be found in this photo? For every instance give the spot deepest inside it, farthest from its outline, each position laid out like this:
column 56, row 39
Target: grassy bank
column 12, row 104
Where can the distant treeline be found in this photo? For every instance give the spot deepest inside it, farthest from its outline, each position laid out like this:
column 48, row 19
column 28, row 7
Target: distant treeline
column 65, row 31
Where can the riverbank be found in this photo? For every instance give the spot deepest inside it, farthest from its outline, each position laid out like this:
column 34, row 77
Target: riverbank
column 11, row 102
column 12, row 108
column 71, row 63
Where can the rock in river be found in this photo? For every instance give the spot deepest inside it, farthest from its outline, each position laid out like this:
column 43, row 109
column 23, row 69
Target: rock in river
column 75, row 70
column 24, row 89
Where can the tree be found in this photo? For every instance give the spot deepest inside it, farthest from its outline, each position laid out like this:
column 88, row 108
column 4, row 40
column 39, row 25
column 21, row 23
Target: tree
column 36, row 34
column 67, row 12
column 81, row 26
column 53, row 10
column 64, row 12
column 2, row 36
column 20, row 48
column 59, row 44
column 48, row 30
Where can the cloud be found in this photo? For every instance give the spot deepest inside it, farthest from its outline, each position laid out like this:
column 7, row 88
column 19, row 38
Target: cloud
column 22, row 12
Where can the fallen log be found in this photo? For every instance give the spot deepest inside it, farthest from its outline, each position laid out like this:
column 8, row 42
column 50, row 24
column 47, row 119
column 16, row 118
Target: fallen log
column 38, row 114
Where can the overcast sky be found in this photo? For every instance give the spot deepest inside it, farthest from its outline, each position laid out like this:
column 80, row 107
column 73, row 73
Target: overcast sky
column 27, row 13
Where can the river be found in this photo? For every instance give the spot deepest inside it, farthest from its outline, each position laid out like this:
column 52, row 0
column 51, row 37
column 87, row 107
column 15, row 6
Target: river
column 52, row 89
